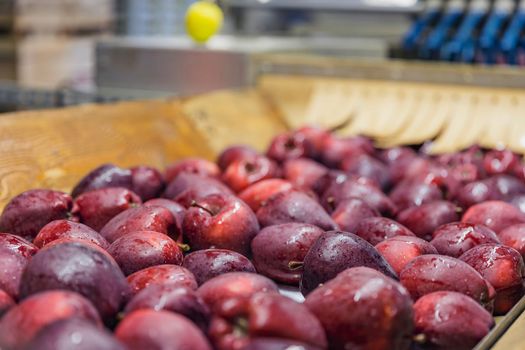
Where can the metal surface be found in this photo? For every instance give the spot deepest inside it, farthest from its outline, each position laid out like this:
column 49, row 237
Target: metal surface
column 405, row 6
column 440, row 73
column 14, row 97
column 177, row 65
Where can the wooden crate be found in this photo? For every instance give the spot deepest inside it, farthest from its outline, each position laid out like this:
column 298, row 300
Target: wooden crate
column 54, row 62
column 55, row 148
column 63, row 16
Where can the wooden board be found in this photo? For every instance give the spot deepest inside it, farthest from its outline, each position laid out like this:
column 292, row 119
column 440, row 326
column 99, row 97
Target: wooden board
column 55, row 148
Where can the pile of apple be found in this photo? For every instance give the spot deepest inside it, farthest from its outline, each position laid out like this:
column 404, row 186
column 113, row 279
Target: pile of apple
column 392, row 249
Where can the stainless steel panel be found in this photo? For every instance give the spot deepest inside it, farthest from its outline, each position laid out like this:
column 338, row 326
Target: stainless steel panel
column 178, row 66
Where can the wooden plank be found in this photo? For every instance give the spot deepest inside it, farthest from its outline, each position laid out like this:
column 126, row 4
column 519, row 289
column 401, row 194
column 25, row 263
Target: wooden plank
column 234, row 117
column 55, row 148
column 513, row 337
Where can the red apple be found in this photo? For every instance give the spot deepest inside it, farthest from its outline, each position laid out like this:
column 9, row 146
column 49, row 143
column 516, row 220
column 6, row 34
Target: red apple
column 138, row 250
column 22, row 322
column 245, row 172
column 294, row 206
column 496, row 215
column 234, row 285
column 398, row 251
column 220, row 221
column 193, row 166
column 146, row 182
column 28, row 212
column 303, row 173
column 95, row 208
column 264, row 314
column 187, row 188
column 150, row 329
column 17, row 244
column 161, row 275
column 258, row 194
column 68, row 229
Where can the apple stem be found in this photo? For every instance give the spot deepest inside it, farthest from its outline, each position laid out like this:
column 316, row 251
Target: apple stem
column 184, row 247
column 194, row 204
column 295, row 265
column 420, row 338
column 241, row 326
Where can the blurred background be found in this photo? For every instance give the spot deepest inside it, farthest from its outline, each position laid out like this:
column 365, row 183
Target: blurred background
column 61, row 52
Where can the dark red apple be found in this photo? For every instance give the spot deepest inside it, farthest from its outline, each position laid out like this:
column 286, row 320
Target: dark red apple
column 423, row 220
column 279, row 250
column 264, row 314
column 363, row 189
column 266, row 343
column 137, row 250
column 400, row 250
column 496, row 215
column 208, row 263
column 518, row 201
column 196, row 166
column 187, row 188
column 28, row 212
column 59, row 229
column 258, row 194
column 78, row 267
column 350, row 212
column 514, row 237
column 477, row 192
column 220, row 221
column 146, row 182
column 245, row 172
column 450, row 320
column 396, row 154
column 336, row 251
column 175, row 208
column 363, row 309
column 6, row 302
column 286, row 146
column 181, row 300
column 22, row 322
column 95, row 208
column 432, row 273
column 106, row 175
column 234, row 153
column 500, row 161
column 367, row 166
column 314, row 138
column 170, row 275
column 376, row 229
column 150, row 329
column 74, row 334
column 503, row 268
column 456, row 238
column 335, row 149
column 143, row 218
column 303, row 173
column 234, row 285
column 17, row 244
column 333, row 177
column 412, row 194
column 294, row 206
column 12, row 265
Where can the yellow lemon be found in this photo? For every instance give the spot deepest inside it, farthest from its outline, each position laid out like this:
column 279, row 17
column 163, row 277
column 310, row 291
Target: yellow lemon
column 203, row 19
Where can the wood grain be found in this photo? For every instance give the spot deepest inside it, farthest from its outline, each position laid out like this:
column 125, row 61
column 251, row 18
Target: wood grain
column 54, row 149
